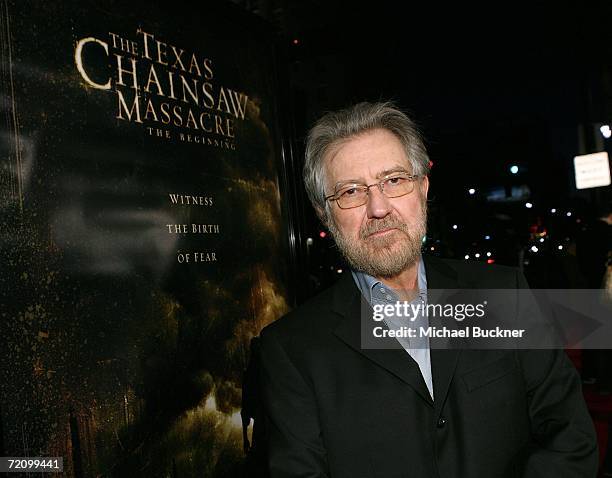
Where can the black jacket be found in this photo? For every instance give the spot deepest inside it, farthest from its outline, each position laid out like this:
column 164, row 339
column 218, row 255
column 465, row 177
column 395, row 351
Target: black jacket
column 336, row 410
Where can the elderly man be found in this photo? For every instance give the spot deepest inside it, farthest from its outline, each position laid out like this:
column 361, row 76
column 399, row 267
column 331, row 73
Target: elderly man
column 337, row 409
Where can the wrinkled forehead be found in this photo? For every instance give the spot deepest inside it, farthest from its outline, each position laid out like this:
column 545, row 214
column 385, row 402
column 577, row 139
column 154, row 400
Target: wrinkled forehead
column 364, row 158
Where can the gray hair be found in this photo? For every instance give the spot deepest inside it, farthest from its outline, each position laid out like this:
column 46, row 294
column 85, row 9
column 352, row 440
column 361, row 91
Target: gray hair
column 337, row 126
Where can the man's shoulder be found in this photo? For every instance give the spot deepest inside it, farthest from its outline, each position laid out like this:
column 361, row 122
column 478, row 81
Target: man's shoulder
column 315, row 314
column 472, row 274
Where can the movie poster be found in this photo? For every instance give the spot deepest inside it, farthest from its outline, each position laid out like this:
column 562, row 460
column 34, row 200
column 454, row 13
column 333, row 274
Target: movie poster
column 142, row 243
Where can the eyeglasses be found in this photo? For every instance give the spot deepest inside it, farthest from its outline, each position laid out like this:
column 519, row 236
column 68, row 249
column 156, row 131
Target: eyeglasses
column 353, row 195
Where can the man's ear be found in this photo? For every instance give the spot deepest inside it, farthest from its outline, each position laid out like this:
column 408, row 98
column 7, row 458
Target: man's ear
column 321, row 214
column 425, row 186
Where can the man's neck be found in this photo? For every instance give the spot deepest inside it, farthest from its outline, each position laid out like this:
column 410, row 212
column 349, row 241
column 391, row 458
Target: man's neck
column 406, row 283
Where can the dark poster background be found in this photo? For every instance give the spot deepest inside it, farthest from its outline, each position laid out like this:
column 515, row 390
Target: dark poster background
column 141, row 244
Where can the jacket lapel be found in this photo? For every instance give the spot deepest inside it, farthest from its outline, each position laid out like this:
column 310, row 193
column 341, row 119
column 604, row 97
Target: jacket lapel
column 350, row 304
column 441, row 280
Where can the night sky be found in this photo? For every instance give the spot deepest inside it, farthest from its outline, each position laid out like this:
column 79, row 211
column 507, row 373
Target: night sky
column 488, row 87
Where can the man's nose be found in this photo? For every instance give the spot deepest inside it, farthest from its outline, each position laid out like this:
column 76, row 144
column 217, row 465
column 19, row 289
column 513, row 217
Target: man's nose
column 378, row 205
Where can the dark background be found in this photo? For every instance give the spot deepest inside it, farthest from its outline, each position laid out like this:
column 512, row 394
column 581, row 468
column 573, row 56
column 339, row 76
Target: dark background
column 524, row 83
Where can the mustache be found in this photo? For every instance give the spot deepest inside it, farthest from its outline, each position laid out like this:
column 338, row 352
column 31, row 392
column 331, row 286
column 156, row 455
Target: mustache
column 377, row 225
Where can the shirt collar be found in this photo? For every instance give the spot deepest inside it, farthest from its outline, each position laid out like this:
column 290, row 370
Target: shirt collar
column 366, row 283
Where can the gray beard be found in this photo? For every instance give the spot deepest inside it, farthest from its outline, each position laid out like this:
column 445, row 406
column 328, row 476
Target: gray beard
column 385, row 256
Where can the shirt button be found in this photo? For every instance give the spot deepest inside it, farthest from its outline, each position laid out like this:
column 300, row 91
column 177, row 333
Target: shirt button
column 388, row 297
column 382, row 290
column 441, row 422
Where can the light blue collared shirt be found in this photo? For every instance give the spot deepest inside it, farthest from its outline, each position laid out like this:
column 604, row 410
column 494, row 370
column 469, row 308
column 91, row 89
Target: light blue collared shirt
column 376, row 292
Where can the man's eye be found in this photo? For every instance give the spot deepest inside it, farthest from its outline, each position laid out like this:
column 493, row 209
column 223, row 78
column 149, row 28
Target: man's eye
column 395, row 181
column 349, row 192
